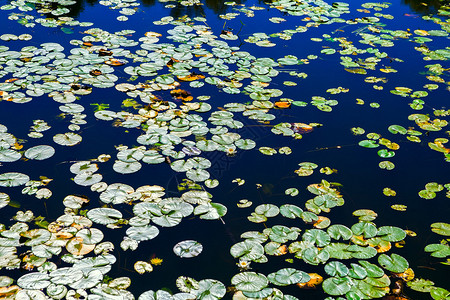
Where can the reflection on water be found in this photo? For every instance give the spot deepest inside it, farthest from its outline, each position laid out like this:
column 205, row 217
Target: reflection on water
column 219, row 7
column 424, row 6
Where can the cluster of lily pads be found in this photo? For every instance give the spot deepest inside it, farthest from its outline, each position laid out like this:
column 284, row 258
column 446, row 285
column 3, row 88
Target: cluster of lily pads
column 432, row 188
column 328, row 245
column 441, row 250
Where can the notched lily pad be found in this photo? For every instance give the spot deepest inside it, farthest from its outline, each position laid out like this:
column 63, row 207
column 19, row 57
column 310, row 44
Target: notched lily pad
column 188, row 249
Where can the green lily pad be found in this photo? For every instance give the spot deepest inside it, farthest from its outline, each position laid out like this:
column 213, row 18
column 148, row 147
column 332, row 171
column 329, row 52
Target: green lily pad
column 209, row 289
column 104, row 216
column 441, row 228
column 282, row 234
column 126, row 167
column 438, row 250
column 368, row 144
column 13, row 179
column 372, row 270
column 267, row 151
column 34, row 280
column 397, row 129
column 434, row 187
column 291, row 211
column 360, row 252
column 291, row 192
column 372, row 291
column 288, row 276
column 249, row 281
column 9, row 155
column 67, row 139
column 386, row 165
column 337, row 286
column 142, row 233
column 365, row 215
column 188, row 249
column 210, row 211
column 4, row 199
column 336, row 268
column 421, row 285
column 317, row 236
column 247, row 250
column 338, row 231
column 391, row 233
column 315, row 256
column 197, row 175
column 368, row 230
column 394, row 263
column 386, row 153
column 440, row 294
column 268, row 210
column 426, row 194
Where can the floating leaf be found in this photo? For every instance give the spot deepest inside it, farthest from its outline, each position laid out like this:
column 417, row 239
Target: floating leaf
column 249, row 281
column 368, row 144
column 337, row 286
column 397, row 129
column 247, row 250
column 391, row 233
column 126, row 167
column 421, row 285
column 34, row 281
column 209, row 289
column 291, row 211
column 268, row 210
column 441, row 228
column 385, row 153
column 40, row 152
column 4, row 200
column 104, row 216
column 291, row 192
column 188, row 249
column 9, row 155
column 386, row 165
column 399, row 207
column 438, row 250
column 426, row 194
column 338, row 231
column 365, row 215
column 197, row 175
column 13, row 179
column 142, row 233
column 395, row 263
column 334, row 268
column 267, row 151
column 389, row 192
column 439, row 293
column 67, row 139
column 288, row 276
column 210, row 211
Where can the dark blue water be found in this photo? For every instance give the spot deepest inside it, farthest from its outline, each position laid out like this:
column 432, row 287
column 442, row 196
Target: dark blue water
column 332, row 144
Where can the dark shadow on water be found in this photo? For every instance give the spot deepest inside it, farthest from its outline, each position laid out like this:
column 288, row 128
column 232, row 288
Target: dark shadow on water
column 179, row 10
column 219, row 7
column 425, row 6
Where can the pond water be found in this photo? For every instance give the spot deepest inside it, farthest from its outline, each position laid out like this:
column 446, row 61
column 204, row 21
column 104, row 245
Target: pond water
column 205, row 150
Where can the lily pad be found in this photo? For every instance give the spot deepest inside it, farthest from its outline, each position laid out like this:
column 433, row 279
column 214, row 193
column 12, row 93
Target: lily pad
column 67, row 139
column 104, row 216
column 188, row 249
column 249, row 281
column 394, row 263
column 441, row 228
column 13, row 179
column 288, row 276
